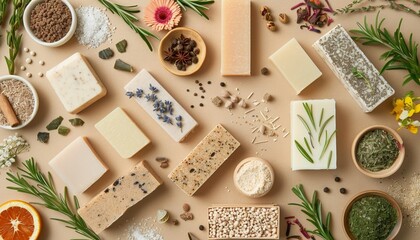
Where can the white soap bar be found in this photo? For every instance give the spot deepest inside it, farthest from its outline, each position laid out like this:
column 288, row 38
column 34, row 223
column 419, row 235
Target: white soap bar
column 204, row 160
column 122, row 133
column 76, row 83
column 117, row 198
column 144, row 83
column 78, row 165
column 313, row 134
column 346, row 56
column 295, row 65
column 236, row 38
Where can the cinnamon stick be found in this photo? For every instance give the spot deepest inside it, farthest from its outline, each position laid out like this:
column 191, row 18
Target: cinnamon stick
column 8, row 111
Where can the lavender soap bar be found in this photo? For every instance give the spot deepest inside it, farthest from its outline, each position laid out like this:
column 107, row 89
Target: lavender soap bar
column 343, row 56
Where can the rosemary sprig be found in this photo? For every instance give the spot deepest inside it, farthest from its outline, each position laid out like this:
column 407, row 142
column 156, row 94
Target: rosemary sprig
column 127, row 14
column 199, row 6
column 303, row 152
column 313, row 211
column 326, row 143
column 3, row 6
column 360, row 75
column 392, row 4
column 323, row 127
column 401, row 56
column 44, row 190
column 309, row 110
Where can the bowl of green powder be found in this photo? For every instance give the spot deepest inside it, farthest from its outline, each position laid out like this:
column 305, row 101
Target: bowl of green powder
column 378, row 151
column 372, row 215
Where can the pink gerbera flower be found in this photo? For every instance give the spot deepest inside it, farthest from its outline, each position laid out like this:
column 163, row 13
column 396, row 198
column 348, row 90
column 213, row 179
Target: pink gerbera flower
column 162, row 14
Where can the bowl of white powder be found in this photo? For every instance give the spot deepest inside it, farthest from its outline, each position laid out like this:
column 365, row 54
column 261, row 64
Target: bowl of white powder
column 253, row 177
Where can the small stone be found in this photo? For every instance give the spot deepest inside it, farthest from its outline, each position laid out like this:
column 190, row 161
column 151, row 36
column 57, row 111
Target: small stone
column 201, row 227
column 264, row 71
column 23, row 68
column 26, row 49
column 234, row 99
column 29, row 75
column 42, row 63
column 262, row 129
column 175, row 222
column 228, row 104
column 243, row 104
column 343, row 191
column 40, row 74
column 217, row 101
column 186, row 216
column 225, row 94
column 337, row 179
column 33, row 53
column 28, row 61
column 326, row 190
column 186, row 207
column 267, row 97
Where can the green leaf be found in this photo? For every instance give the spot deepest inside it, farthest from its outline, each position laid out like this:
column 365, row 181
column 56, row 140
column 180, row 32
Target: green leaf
column 323, row 127
column 303, row 152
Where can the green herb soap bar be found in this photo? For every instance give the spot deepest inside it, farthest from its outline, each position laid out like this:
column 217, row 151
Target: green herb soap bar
column 204, row 160
column 369, row 89
column 295, row 65
column 75, row 83
column 111, row 203
column 122, row 133
column 313, row 134
column 78, row 165
column 160, row 105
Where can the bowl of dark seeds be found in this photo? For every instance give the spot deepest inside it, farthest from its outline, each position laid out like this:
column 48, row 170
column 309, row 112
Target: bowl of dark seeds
column 50, row 23
column 182, row 51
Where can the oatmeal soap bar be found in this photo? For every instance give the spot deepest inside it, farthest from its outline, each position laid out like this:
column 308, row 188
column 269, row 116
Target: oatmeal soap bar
column 75, row 83
column 236, row 38
column 204, row 160
column 143, row 86
column 111, row 203
column 344, row 59
column 244, row 222
column 313, row 134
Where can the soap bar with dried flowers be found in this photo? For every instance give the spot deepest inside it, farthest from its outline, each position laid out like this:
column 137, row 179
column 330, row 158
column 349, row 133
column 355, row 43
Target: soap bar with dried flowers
column 123, row 193
column 160, row 105
column 358, row 75
column 204, row 160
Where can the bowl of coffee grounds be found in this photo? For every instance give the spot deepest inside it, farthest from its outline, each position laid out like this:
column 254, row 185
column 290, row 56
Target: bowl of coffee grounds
column 18, row 102
column 50, row 23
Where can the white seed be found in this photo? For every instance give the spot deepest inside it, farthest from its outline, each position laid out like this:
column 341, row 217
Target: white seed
column 33, row 53
column 40, row 74
column 23, row 68
column 26, row 49
column 28, row 60
column 29, row 75
column 41, row 63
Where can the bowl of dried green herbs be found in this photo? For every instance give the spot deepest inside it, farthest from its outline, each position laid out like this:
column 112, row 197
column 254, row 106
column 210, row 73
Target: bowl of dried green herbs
column 378, row 151
column 372, row 215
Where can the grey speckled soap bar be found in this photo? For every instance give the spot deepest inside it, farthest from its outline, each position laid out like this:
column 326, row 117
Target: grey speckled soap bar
column 342, row 54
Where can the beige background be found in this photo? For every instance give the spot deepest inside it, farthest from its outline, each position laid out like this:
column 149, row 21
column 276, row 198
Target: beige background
column 220, row 188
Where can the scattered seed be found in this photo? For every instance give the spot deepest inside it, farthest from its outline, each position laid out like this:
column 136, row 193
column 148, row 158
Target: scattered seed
column 164, row 164
column 192, row 106
column 222, row 84
column 23, row 68
column 186, row 216
column 162, row 159
column 40, row 74
column 264, row 71
column 209, row 82
column 33, row 53
column 285, row 135
column 28, row 61
column 267, row 97
column 29, row 75
column 201, row 227
column 326, row 190
column 186, row 207
column 337, row 179
column 250, row 110
column 41, row 63
column 196, row 81
column 343, row 191
column 250, row 95
column 283, row 18
column 263, row 141
column 26, row 49
column 175, row 222
column 253, row 140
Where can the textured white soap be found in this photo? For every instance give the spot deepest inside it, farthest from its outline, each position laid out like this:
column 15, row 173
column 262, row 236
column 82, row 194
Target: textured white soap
column 78, row 165
column 76, row 83
column 295, row 65
column 122, row 133
column 236, row 38
column 317, row 139
column 143, row 81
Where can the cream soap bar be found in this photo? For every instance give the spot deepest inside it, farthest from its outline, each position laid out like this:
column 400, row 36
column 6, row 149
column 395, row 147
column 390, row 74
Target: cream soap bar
column 110, row 204
column 75, row 83
column 204, row 160
column 181, row 123
column 78, row 165
column 345, row 57
column 236, row 38
column 313, row 134
column 257, row 222
column 122, row 133
column 295, row 65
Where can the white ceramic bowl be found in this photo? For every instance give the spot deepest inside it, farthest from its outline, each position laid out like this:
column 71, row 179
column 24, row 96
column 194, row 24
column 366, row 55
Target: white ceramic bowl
column 67, row 37
column 34, row 94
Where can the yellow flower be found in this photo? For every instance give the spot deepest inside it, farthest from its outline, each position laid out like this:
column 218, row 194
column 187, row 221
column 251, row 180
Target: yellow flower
column 412, row 129
column 417, row 108
column 398, row 106
column 408, row 101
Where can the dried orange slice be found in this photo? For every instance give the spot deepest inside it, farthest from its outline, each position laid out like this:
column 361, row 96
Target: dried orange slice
column 19, row 221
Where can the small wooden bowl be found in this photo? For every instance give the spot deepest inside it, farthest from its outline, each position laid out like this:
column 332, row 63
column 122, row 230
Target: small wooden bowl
column 166, row 41
column 386, row 172
column 368, row 193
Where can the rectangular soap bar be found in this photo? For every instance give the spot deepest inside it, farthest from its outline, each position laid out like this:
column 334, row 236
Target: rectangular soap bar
column 163, row 105
column 313, row 134
column 76, row 83
column 204, row 160
column 342, row 58
column 111, row 203
column 78, row 165
column 225, row 222
column 122, row 133
column 236, row 38
column 295, row 65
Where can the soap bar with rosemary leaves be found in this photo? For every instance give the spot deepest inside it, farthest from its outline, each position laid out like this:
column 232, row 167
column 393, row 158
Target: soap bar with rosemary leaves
column 344, row 57
column 204, row 160
column 313, row 134
column 123, row 193
column 160, row 105
column 76, row 83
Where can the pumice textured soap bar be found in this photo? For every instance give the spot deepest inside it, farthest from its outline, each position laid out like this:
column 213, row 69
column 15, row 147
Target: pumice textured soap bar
column 344, row 57
column 204, row 160
column 111, row 203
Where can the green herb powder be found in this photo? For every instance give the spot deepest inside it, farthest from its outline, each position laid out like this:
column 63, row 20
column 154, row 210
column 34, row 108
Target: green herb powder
column 377, row 150
column 372, row 218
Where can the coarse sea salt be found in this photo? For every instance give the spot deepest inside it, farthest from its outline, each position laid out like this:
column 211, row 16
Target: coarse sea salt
column 92, row 26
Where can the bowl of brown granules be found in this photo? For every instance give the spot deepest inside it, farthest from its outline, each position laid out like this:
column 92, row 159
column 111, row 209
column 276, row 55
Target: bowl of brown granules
column 50, row 23
column 18, row 102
